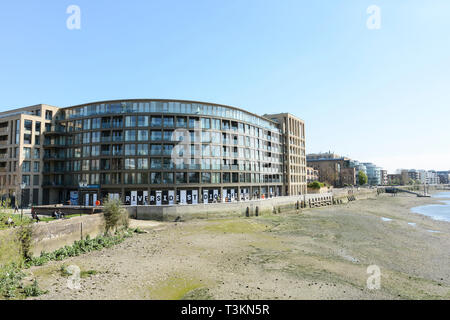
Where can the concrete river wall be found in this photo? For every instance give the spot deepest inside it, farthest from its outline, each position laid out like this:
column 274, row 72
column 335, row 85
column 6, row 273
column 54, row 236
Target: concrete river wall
column 247, row 208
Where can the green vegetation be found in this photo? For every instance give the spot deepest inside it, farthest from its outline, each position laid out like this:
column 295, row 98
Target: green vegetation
column 315, row 185
column 11, row 283
column 362, row 178
column 79, row 247
column 116, row 217
column 16, row 253
column 177, row 288
column 33, row 290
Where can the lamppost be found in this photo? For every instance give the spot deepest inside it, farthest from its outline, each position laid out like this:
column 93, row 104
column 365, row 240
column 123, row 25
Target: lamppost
column 22, row 186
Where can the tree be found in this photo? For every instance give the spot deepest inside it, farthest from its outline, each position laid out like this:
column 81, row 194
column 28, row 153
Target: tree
column 315, row 185
column 362, row 178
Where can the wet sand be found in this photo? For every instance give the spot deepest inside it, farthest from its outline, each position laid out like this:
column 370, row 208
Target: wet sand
column 320, row 253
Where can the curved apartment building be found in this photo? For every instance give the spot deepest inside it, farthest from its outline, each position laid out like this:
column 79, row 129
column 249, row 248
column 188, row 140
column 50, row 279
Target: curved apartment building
column 164, row 152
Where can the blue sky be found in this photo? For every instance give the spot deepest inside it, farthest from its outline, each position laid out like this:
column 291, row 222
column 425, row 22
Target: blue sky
column 373, row 95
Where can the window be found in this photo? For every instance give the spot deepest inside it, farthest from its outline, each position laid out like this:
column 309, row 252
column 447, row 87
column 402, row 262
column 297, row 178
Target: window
column 142, row 149
column 193, row 177
column 27, row 138
column 95, row 136
column 26, row 180
column 215, row 124
column 168, row 135
column 130, row 135
column 206, row 123
column 48, row 115
column 215, row 177
column 206, row 177
column 155, row 164
column 142, row 135
column 86, row 151
column 28, row 125
column 130, row 121
column 193, row 122
column 37, row 127
column 17, row 132
column 35, row 180
column 87, row 124
column 35, row 166
column 130, row 164
column 27, row 153
column 181, row 177
column 142, row 121
column 105, row 165
column 168, row 122
column 130, row 149
column 142, row 178
column 155, row 178
column 181, row 122
column 167, row 178
column 155, row 149
column 95, row 164
column 26, row 166
column 142, row 163
column 167, row 163
column 156, row 122
column 167, row 149
column 95, row 151
column 36, row 153
column 95, row 178
column 156, row 136
column 86, row 137
column 96, row 123
column 85, row 165
column 129, row 178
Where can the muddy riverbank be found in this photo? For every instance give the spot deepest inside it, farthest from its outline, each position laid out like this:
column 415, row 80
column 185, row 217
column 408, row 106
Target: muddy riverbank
column 320, row 253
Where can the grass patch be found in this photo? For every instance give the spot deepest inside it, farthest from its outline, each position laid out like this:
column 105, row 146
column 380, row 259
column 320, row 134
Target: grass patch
column 88, row 273
column 177, row 288
column 235, row 226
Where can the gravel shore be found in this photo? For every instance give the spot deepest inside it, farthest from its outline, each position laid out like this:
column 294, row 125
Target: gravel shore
column 319, row 253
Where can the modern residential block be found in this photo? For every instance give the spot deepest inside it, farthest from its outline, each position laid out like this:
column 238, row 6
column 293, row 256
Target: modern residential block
column 149, row 151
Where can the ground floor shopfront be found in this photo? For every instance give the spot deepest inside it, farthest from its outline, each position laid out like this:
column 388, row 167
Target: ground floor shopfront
column 164, row 196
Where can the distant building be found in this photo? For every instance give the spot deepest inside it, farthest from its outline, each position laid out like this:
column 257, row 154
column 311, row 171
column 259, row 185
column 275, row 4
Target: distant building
column 444, row 177
column 432, row 177
column 333, row 169
column 312, row 174
column 414, row 174
column 373, row 174
column 359, row 167
column 404, row 179
column 384, row 178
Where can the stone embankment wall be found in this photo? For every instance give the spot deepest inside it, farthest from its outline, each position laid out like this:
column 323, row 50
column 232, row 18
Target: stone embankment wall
column 50, row 236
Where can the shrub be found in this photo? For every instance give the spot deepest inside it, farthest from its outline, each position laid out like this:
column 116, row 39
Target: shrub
column 315, row 185
column 115, row 215
column 33, row 290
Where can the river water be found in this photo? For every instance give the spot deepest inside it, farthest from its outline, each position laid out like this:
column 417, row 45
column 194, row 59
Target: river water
column 436, row 211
